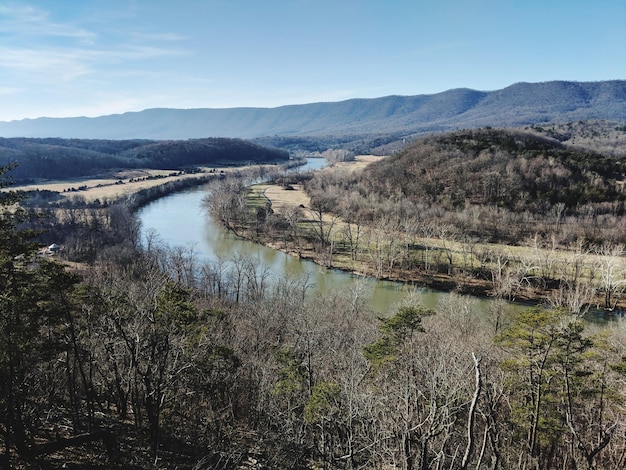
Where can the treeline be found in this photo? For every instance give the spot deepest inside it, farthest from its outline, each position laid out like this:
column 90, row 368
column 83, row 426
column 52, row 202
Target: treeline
column 356, row 144
column 69, row 158
column 150, row 358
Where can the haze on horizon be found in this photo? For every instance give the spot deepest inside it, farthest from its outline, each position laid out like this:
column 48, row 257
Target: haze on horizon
column 92, row 58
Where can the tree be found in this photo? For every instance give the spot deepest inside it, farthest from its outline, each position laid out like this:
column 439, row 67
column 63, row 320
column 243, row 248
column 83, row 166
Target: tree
column 560, row 385
column 612, row 273
column 324, row 221
column 37, row 335
column 393, row 357
column 226, row 202
column 533, row 338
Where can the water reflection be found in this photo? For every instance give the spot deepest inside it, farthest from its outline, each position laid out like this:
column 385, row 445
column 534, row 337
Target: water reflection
column 180, row 221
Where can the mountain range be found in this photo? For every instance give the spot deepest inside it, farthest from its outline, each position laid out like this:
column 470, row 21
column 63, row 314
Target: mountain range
column 520, row 104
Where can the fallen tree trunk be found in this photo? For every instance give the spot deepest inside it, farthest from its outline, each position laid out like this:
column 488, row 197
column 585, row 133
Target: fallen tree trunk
column 107, row 438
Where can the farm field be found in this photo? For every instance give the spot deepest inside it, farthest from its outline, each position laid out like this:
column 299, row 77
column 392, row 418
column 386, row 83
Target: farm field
column 118, row 185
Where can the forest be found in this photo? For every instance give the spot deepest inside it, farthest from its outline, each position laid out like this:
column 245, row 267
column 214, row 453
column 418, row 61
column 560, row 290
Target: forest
column 120, row 352
column 54, row 158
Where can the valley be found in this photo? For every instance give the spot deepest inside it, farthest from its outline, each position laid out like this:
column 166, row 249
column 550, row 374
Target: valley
column 155, row 353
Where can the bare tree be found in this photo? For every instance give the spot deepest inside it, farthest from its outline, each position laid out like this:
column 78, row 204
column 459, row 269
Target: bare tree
column 612, row 273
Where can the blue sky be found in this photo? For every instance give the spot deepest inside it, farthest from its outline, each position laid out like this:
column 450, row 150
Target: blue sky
column 64, row 58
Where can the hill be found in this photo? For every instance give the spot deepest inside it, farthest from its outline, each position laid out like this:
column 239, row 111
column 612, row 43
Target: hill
column 510, row 169
column 520, row 104
column 55, row 158
column 605, row 137
column 494, row 185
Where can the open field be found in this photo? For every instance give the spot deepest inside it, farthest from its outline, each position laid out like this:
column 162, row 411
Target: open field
column 360, row 162
column 283, row 198
column 118, row 185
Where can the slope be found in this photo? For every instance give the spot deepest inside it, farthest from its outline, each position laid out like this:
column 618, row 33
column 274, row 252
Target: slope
column 516, row 105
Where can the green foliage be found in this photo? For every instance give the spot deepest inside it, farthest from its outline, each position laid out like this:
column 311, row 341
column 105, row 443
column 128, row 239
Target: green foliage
column 35, row 305
column 323, row 402
column 395, row 330
column 534, row 328
column 175, row 307
column 405, row 322
column 557, row 378
column 381, row 351
column 292, row 375
column 620, row 367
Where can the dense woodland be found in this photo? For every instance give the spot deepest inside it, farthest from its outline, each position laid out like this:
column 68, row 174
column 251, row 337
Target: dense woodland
column 143, row 356
column 70, row 158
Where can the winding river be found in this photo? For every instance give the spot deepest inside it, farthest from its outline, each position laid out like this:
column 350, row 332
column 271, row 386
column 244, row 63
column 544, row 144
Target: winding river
column 179, row 220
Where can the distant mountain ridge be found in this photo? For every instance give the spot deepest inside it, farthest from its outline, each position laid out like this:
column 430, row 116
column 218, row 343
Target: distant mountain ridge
column 517, row 105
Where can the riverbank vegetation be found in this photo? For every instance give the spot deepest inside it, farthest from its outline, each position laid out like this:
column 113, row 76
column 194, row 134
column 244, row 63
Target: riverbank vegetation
column 489, row 212
column 147, row 357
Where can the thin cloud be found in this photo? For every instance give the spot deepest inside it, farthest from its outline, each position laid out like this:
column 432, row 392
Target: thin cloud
column 69, row 63
column 26, row 21
column 167, row 37
column 52, row 64
column 38, row 53
column 5, row 91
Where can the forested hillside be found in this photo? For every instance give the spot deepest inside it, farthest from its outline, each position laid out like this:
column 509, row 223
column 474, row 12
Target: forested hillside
column 496, row 185
column 514, row 170
column 605, row 137
column 54, row 158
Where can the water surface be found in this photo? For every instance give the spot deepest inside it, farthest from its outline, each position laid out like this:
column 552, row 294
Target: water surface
column 180, row 221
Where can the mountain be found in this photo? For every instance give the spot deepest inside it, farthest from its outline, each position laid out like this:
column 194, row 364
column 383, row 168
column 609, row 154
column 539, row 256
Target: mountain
column 517, row 105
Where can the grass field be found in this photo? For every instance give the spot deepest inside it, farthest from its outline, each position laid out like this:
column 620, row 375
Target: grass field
column 115, row 186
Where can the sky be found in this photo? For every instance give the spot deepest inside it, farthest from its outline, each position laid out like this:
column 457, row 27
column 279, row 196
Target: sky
column 65, row 58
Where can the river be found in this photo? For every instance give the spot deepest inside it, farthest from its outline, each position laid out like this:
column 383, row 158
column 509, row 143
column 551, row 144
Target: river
column 179, row 220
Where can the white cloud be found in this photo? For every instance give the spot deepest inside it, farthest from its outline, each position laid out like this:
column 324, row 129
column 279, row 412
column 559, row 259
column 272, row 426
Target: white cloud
column 51, row 64
column 33, row 44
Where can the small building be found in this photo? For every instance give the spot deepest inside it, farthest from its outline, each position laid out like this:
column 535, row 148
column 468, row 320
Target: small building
column 52, row 249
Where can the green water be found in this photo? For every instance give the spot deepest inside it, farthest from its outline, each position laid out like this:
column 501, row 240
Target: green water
column 179, row 220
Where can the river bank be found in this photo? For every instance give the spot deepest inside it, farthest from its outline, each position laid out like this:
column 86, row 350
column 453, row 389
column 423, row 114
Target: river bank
column 480, row 281
column 508, row 272
column 340, row 261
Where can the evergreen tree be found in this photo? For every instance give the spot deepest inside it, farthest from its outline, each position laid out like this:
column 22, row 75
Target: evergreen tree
column 33, row 308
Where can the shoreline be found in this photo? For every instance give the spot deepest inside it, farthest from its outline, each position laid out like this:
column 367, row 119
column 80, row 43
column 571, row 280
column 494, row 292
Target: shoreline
column 462, row 282
column 439, row 281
